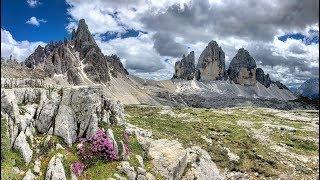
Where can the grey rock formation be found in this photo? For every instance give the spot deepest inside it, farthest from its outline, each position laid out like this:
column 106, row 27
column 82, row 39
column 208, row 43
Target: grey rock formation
column 262, row 78
column 79, row 59
column 19, row 83
column 23, row 147
column 37, row 57
column 185, row 68
column 202, row 167
column 116, row 67
column 242, row 69
column 280, row 85
column 29, row 176
column 128, row 170
column 55, row 169
column 63, row 60
column 168, row 157
column 211, row 63
column 96, row 66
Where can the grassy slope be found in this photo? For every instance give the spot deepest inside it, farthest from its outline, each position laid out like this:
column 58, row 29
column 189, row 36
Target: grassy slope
column 188, row 125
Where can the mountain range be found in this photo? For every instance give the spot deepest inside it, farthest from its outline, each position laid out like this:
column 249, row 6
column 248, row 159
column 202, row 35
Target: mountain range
column 79, row 61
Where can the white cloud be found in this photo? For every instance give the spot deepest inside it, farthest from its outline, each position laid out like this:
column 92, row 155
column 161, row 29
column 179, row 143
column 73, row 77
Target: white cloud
column 19, row 50
column 36, row 22
column 194, row 23
column 33, row 3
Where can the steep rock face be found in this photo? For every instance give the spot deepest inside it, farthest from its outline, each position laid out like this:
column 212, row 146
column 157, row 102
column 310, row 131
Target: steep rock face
column 211, row 63
column 36, row 57
column 262, row 78
column 280, row 85
column 116, row 67
column 310, row 88
column 242, row 69
column 63, row 60
column 185, row 68
column 96, row 66
column 40, row 54
column 79, row 59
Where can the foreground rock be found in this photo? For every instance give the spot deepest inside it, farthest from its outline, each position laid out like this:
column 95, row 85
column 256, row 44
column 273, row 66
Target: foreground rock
column 202, row 167
column 211, row 63
column 242, row 69
column 55, row 170
column 168, row 157
column 23, row 147
column 185, row 68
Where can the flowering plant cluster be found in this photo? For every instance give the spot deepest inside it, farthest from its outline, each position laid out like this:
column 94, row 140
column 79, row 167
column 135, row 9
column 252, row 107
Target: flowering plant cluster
column 99, row 146
column 77, row 168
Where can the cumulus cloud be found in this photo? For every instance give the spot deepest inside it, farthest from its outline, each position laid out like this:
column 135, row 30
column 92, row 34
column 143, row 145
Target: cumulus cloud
column 137, row 53
column 175, row 27
column 19, row 50
column 166, row 46
column 33, row 3
column 36, row 22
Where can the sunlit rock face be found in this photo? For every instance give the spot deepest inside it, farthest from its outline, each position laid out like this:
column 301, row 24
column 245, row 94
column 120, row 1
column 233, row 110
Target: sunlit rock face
column 211, row 63
column 242, row 69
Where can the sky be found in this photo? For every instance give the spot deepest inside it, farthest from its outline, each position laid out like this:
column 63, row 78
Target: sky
column 151, row 35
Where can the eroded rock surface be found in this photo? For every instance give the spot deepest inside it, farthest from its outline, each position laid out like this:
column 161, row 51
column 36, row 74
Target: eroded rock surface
column 211, row 63
column 242, row 69
column 55, row 169
column 185, row 68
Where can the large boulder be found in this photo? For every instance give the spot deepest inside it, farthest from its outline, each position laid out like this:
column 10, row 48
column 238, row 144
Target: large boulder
column 185, row 68
column 78, row 114
column 55, row 170
column 168, row 157
column 262, row 78
column 211, row 63
column 242, row 69
column 201, row 166
column 23, row 147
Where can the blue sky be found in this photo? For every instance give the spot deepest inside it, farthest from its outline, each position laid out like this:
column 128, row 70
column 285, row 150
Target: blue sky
column 15, row 13
column 150, row 36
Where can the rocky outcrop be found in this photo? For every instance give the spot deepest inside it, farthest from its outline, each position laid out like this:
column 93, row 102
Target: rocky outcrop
column 242, row 69
column 55, row 169
column 116, row 67
column 23, row 147
column 19, row 83
column 29, row 176
column 185, row 68
column 40, row 54
column 262, row 78
column 168, row 157
column 68, row 112
column 211, row 63
column 202, row 167
column 280, row 85
column 79, row 59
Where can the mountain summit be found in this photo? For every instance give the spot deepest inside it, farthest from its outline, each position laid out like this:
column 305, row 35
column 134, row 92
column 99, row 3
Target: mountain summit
column 79, row 59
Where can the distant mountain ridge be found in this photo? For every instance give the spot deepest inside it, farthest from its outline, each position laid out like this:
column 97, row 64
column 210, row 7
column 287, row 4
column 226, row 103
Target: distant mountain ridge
column 309, row 89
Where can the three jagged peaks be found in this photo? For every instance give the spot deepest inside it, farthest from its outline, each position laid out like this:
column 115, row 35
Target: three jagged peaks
column 211, row 66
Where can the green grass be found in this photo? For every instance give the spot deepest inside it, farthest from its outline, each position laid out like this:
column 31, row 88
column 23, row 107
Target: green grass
column 222, row 128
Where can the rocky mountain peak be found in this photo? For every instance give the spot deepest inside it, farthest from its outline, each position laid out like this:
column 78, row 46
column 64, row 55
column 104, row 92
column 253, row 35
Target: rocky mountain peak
column 185, row 68
column 82, row 37
column 211, row 63
column 242, row 69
